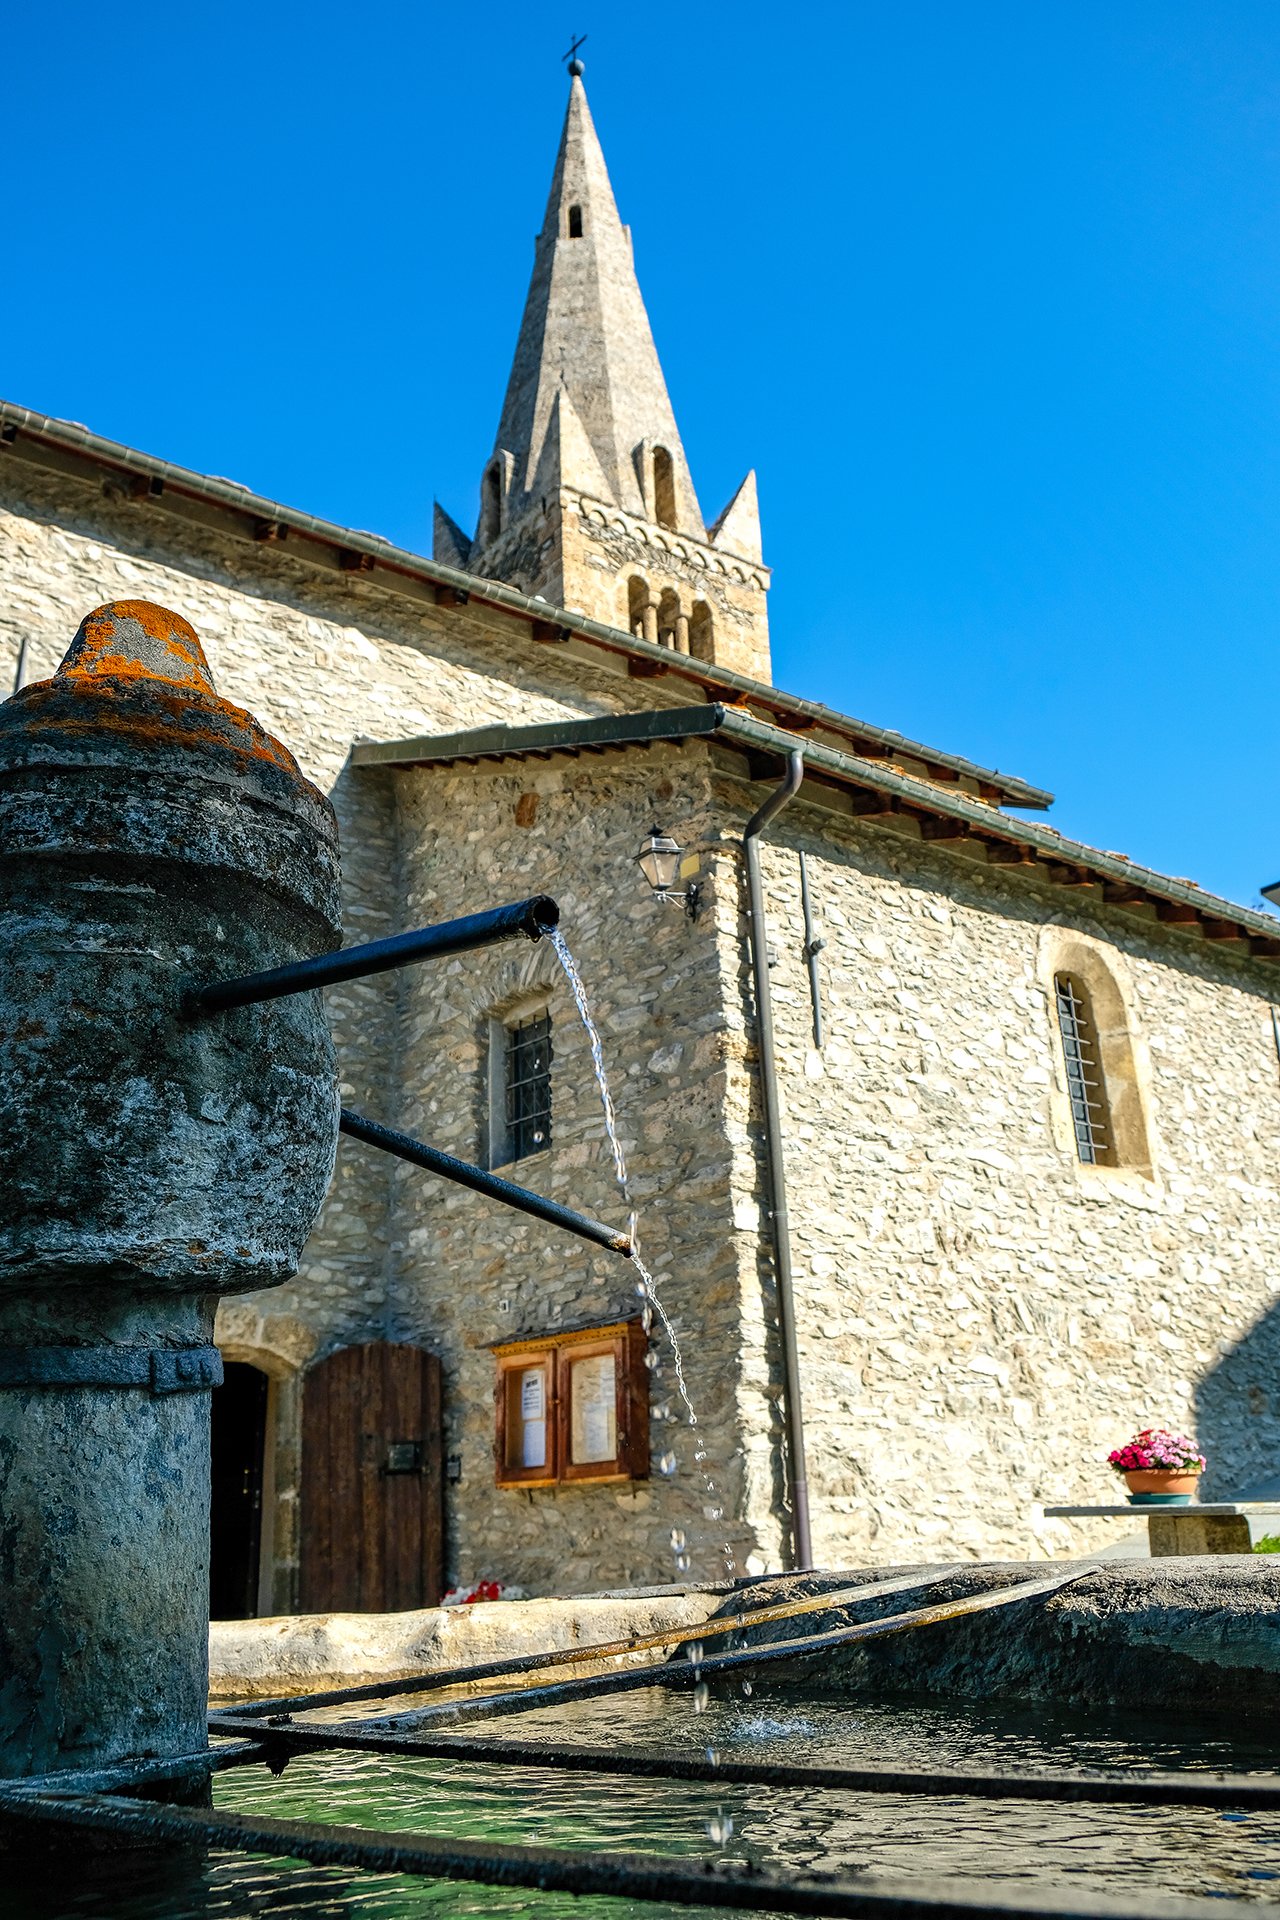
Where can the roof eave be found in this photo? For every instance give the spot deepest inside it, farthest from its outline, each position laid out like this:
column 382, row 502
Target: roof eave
column 1049, row 854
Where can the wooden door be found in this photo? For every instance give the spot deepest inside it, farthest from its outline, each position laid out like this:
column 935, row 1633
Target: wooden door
column 372, row 1517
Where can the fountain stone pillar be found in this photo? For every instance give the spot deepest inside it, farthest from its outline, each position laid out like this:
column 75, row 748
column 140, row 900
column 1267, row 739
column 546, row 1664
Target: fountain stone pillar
column 152, row 837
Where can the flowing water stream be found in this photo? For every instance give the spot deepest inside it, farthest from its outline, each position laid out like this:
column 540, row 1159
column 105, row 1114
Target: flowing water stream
column 647, row 1286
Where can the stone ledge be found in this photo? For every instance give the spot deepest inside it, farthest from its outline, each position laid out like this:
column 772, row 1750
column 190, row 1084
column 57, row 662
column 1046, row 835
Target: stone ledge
column 310, row 1653
column 1197, row 1634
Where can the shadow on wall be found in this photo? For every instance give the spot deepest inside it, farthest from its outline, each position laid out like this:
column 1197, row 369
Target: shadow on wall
column 1238, row 1417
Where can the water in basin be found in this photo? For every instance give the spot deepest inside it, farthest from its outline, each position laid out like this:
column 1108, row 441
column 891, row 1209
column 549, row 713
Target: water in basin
column 1137, row 1852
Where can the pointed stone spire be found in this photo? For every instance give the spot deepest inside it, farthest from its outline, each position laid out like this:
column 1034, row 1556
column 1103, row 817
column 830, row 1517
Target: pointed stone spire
column 585, row 330
column 586, row 500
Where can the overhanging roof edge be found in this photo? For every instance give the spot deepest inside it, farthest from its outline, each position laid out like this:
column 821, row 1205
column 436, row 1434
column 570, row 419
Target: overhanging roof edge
column 552, row 736
column 742, row 729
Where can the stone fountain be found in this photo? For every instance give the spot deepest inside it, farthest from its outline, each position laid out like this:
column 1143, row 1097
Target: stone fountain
column 150, row 834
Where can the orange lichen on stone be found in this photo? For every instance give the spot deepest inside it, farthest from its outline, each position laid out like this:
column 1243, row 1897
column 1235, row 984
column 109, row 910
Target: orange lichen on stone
column 137, row 671
column 135, row 639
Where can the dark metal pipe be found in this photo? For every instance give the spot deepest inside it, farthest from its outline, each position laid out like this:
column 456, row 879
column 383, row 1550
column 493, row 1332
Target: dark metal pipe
column 797, row 1474
column 813, row 946
column 405, row 1147
column 1257, row 1791
column 686, row 1673
column 530, row 918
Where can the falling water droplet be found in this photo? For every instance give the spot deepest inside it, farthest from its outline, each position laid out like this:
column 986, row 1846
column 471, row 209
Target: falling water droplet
column 677, row 1539
column 701, row 1696
column 720, row 1827
column 747, row 1689
column 651, row 1360
column 713, row 1757
column 683, row 1563
column 693, row 1653
column 666, row 1463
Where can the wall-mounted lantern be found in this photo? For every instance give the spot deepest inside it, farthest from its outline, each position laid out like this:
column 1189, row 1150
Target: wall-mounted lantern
column 661, row 860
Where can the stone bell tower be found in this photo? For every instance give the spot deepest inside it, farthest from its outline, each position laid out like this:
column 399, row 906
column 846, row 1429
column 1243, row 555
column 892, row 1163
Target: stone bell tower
column 587, row 497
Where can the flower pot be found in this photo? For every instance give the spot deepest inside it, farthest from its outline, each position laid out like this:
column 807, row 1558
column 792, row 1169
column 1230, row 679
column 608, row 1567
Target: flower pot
column 1160, row 1487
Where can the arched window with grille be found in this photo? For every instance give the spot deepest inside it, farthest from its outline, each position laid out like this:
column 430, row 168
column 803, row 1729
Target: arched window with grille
column 1086, row 1076
column 1101, row 1096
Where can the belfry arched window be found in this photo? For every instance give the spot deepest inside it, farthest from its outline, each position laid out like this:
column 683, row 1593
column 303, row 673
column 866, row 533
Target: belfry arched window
column 668, row 617
column 638, row 599
column 701, row 634
column 1085, row 1071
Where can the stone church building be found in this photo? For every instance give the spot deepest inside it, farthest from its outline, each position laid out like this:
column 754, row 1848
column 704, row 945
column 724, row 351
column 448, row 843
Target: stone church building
column 1028, row 1092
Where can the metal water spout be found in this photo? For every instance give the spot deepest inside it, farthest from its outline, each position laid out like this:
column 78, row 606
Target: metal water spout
column 148, row 1164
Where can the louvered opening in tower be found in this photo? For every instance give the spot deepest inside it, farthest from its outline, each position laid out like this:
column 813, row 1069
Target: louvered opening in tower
column 664, row 488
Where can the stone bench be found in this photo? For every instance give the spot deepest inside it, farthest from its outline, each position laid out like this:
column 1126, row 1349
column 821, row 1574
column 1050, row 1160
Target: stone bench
column 1222, row 1526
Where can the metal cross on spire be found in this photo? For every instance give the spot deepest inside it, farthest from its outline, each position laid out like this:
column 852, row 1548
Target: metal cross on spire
column 574, row 64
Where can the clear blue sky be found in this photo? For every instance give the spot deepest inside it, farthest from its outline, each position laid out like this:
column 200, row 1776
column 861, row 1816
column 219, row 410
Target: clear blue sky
column 986, row 292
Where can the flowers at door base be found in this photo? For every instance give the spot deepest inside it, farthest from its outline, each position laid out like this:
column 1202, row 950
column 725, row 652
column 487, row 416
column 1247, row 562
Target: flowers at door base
column 485, row 1590
column 1156, row 1450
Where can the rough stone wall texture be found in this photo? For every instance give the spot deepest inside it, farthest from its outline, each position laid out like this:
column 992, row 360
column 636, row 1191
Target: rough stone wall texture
column 471, row 1274
column 982, row 1318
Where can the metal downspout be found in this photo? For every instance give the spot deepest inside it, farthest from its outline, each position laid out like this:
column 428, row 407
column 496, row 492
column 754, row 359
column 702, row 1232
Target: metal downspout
column 802, row 1548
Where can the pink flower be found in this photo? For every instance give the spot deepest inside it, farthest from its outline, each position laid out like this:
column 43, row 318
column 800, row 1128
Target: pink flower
column 1156, row 1450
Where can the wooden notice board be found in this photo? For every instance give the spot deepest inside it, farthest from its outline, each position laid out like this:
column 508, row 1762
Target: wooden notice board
column 372, row 1518
column 572, row 1407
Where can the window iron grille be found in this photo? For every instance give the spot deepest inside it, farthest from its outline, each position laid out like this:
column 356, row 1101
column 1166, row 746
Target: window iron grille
column 1086, row 1086
column 528, row 1086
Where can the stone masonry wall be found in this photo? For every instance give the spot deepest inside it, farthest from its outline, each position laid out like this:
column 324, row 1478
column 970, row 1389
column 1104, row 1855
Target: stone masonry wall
column 471, row 1273
column 981, row 1317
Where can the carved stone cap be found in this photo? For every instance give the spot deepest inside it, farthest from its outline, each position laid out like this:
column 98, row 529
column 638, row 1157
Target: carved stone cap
column 135, row 682
column 130, row 749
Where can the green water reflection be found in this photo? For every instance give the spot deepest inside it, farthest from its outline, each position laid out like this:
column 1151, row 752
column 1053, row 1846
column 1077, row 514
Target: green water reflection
column 1137, row 1852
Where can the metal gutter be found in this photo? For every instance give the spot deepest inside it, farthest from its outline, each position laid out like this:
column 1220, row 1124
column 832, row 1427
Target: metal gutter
column 733, row 726
column 22, row 432
column 994, row 825
column 779, row 1219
